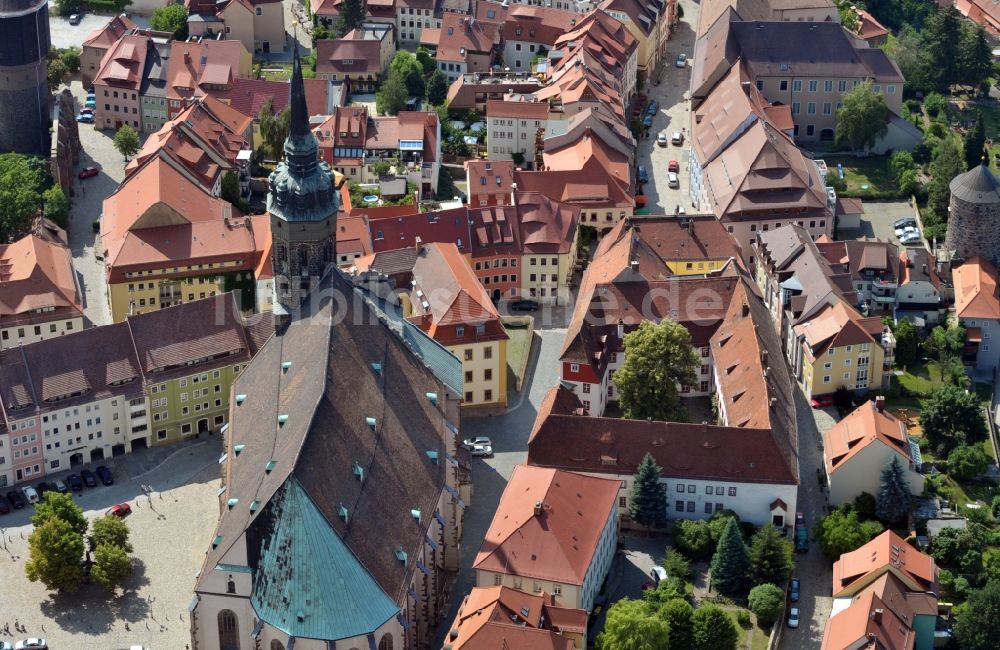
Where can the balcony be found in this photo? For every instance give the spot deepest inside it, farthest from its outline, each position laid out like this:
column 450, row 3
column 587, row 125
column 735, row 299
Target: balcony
column 135, row 415
column 884, row 300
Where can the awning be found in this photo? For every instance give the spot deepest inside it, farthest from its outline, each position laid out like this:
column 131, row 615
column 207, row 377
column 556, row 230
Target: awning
column 974, row 335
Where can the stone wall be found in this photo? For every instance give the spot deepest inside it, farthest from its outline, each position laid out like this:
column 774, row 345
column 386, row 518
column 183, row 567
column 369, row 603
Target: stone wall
column 64, row 153
column 24, row 92
column 974, row 229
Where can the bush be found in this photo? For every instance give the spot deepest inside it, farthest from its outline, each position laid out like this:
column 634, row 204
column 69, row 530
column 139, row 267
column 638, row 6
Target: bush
column 743, row 618
column 864, row 505
column 996, row 506
column 676, row 565
column 966, row 462
column 694, row 539
column 767, row 601
column 935, row 103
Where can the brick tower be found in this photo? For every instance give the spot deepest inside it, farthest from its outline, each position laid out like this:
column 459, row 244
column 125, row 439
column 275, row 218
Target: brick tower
column 24, row 91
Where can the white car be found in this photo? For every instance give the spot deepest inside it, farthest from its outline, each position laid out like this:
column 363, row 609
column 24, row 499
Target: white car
column 30, row 493
column 677, row 138
column 911, row 238
column 673, row 180
column 793, row 617
column 483, row 451
column 905, row 229
column 31, row 644
column 469, row 443
column 661, row 139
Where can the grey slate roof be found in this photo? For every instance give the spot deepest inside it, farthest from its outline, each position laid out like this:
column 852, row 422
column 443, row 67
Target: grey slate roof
column 978, row 185
column 327, row 392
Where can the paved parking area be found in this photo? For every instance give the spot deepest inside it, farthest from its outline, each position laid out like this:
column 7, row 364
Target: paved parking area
column 878, row 220
column 671, row 92
column 65, row 35
column 170, row 531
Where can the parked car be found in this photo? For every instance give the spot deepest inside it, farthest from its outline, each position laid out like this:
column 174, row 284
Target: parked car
column 75, row 19
column 75, row 483
column 647, row 122
column 85, row 118
column 87, row 172
column 89, row 479
column 86, row 110
column 673, row 166
column 681, row 61
column 121, row 511
column 801, row 539
column 91, row 101
column 821, row 401
column 16, row 499
column 523, row 305
column 677, row 138
column 4, row 506
column 6, row 646
column 911, row 239
column 32, row 644
column 661, row 139
column 800, row 519
column 905, row 221
column 793, row 590
column 642, row 174
column 469, row 443
column 105, row 475
column 483, row 451
column 652, row 108
column 30, row 493
column 658, row 574
column 673, row 180
column 793, row 617
column 60, row 487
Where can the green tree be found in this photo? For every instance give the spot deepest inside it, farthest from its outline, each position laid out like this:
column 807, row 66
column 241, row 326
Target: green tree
column 943, row 37
column 950, row 545
column 864, row 505
column 381, row 168
column 678, row 614
column 766, row 601
column 56, row 204
column 862, row 119
column 426, row 61
column 967, row 462
column 840, row 532
column 676, row 565
column 230, row 191
column 405, row 66
column 59, row 506
column 893, row 501
column 945, row 343
column 352, row 14
column 172, row 18
column 951, row 416
column 21, row 179
column 770, row 556
column 665, row 591
column 109, row 531
column 974, row 142
column 694, row 539
column 70, row 57
column 907, row 343
column 57, row 74
column 54, row 553
column 67, row 7
column 127, row 141
column 648, row 505
column 976, row 58
column 978, row 624
column 947, row 164
column 899, row 162
column 712, row 629
column 658, row 359
column 914, row 60
column 274, row 128
column 731, row 562
column 437, row 89
column 391, row 97
column 848, row 17
column 111, row 566
column 630, row 626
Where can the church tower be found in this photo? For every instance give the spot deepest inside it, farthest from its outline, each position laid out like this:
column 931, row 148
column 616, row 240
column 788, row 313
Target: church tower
column 302, row 202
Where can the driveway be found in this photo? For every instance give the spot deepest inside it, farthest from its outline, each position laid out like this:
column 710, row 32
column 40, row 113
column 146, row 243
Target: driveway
column 812, row 568
column 671, row 91
column 65, row 35
column 878, row 221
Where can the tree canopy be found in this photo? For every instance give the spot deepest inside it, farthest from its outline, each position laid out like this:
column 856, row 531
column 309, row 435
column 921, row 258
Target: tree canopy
column 952, row 416
column 127, row 141
column 713, row 629
column 893, row 501
column 647, row 505
column 56, row 205
column 21, row 181
column 978, row 624
column 731, row 562
column 391, row 97
column 767, row 601
column 55, row 505
column 974, row 143
column 840, row 532
column 111, row 567
column 352, row 14
column 630, row 626
column 967, row 462
column 770, row 556
column 54, row 552
column 109, row 531
column 437, row 88
column 907, row 343
column 406, row 67
column 658, row 359
column 171, row 18
column 862, row 118
column 274, row 129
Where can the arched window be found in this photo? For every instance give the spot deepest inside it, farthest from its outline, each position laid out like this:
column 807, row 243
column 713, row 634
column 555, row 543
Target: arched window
column 229, row 630
column 303, row 258
column 276, row 645
column 231, row 586
column 385, row 643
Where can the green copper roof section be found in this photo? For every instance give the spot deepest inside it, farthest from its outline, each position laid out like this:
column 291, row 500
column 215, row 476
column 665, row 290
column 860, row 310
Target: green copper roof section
column 307, row 582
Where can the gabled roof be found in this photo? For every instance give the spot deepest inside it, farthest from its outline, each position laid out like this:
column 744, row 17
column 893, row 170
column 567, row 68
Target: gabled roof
column 603, row 36
column 556, row 542
column 461, row 36
column 124, row 62
column 976, row 294
column 495, row 617
column 248, row 95
column 644, row 15
column 108, row 35
column 401, row 230
column 865, row 426
column 490, row 176
column 878, row 618
column 886, row 553
column 728, row 110
column 696, row 237
column 36, row 273
column 532, row 24
column 364, row 512
column 348, row 56
column 836, row 325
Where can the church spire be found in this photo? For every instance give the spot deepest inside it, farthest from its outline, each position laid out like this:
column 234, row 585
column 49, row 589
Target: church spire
column 301, row 148
column 297, row 97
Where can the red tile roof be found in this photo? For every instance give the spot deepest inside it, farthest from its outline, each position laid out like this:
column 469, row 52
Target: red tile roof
column 865, row 426
column 248, row 95
column 976, row 294
column 559, row 543
column 36, row 274
column 528, row 110
column 460, row 37
column 495, row 617
column 886, row 553
column 348, row 56
column 543, row 25
column 197, row 67
column 392, row 233
column 122, row 65
column 108, row 35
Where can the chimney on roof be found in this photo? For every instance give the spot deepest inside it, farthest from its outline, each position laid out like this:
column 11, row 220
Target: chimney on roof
column 419, row 244
column 187, row 57
column 538, row 508
column 621, row 329
column 634, row 265
column 763, row 357
column 880, row 403
column 877, row 616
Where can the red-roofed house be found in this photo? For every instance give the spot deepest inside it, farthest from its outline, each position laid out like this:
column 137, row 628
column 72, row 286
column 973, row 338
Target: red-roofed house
column 200, row 67
column 977, row 305
column 554, row 532
column 97, row 43
column 249, row 95
column 887, row 553
column 528, row 29
column 857, row 449
column 516, row 126
column 981, row 12
column 449, row 304
column 883, row 616
column 498, row 617
column 463, row 44
column 117, row 83
column 359, row 59
column 489, row 182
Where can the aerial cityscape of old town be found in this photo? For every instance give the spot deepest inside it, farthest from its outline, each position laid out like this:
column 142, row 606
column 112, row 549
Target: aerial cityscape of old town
column 499, row 325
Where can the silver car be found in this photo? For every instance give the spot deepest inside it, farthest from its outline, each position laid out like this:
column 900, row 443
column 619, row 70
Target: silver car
column 470, row 443
column 483, row 451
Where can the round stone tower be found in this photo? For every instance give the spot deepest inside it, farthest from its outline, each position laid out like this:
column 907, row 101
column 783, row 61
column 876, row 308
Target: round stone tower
column 24, row 92
column 974, row 215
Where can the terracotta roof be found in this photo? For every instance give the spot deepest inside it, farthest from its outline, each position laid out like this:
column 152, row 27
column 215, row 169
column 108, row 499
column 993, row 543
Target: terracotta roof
column 546, row 226
column 348, row 56
column 529, row 110
column 459, row 37
column 542, row 25
column 602, row 36
column 886, row 553
column 563, row 438
column 878, row 618
column 248, row 95
column 695, row 237
column 353, row 235
column 123, row 63
column 108, row 35
column 386, row 131
column 728, row 110
column 37, row 274
column 645, row 16
column 557, row 545
column 446, row 284
column 494, row 617
column 864, row 426
column 857, row 256
column 836, row 325
column 918, row 265
column 976, row 293
column 391, row 233
column 494, row 177
column 193, row 64
column 347, row 127
column 868, row 26
column 849, row 206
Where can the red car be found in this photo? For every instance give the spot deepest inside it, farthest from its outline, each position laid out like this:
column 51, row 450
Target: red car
column 121, row 511
column 673, row 166
column 821, row 401
column 87, row 172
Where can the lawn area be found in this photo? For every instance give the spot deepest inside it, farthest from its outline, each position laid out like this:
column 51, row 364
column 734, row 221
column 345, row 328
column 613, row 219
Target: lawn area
column 872, row 171
column 760, row 637
column 922, row 378
column 276, row 72
column 521, row 332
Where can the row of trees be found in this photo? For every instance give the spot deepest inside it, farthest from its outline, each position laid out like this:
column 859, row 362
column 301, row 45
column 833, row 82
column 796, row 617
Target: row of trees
column 70, row 7
column 57, row 544
column 411, row 76
column 61, row 63
column 653, row 624
column 25, row 189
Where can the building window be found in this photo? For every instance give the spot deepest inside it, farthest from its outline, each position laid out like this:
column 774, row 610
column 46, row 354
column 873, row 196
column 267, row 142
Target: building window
column 679, row 506
column 732, row 491
column 797, row 85
column 812, row 85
